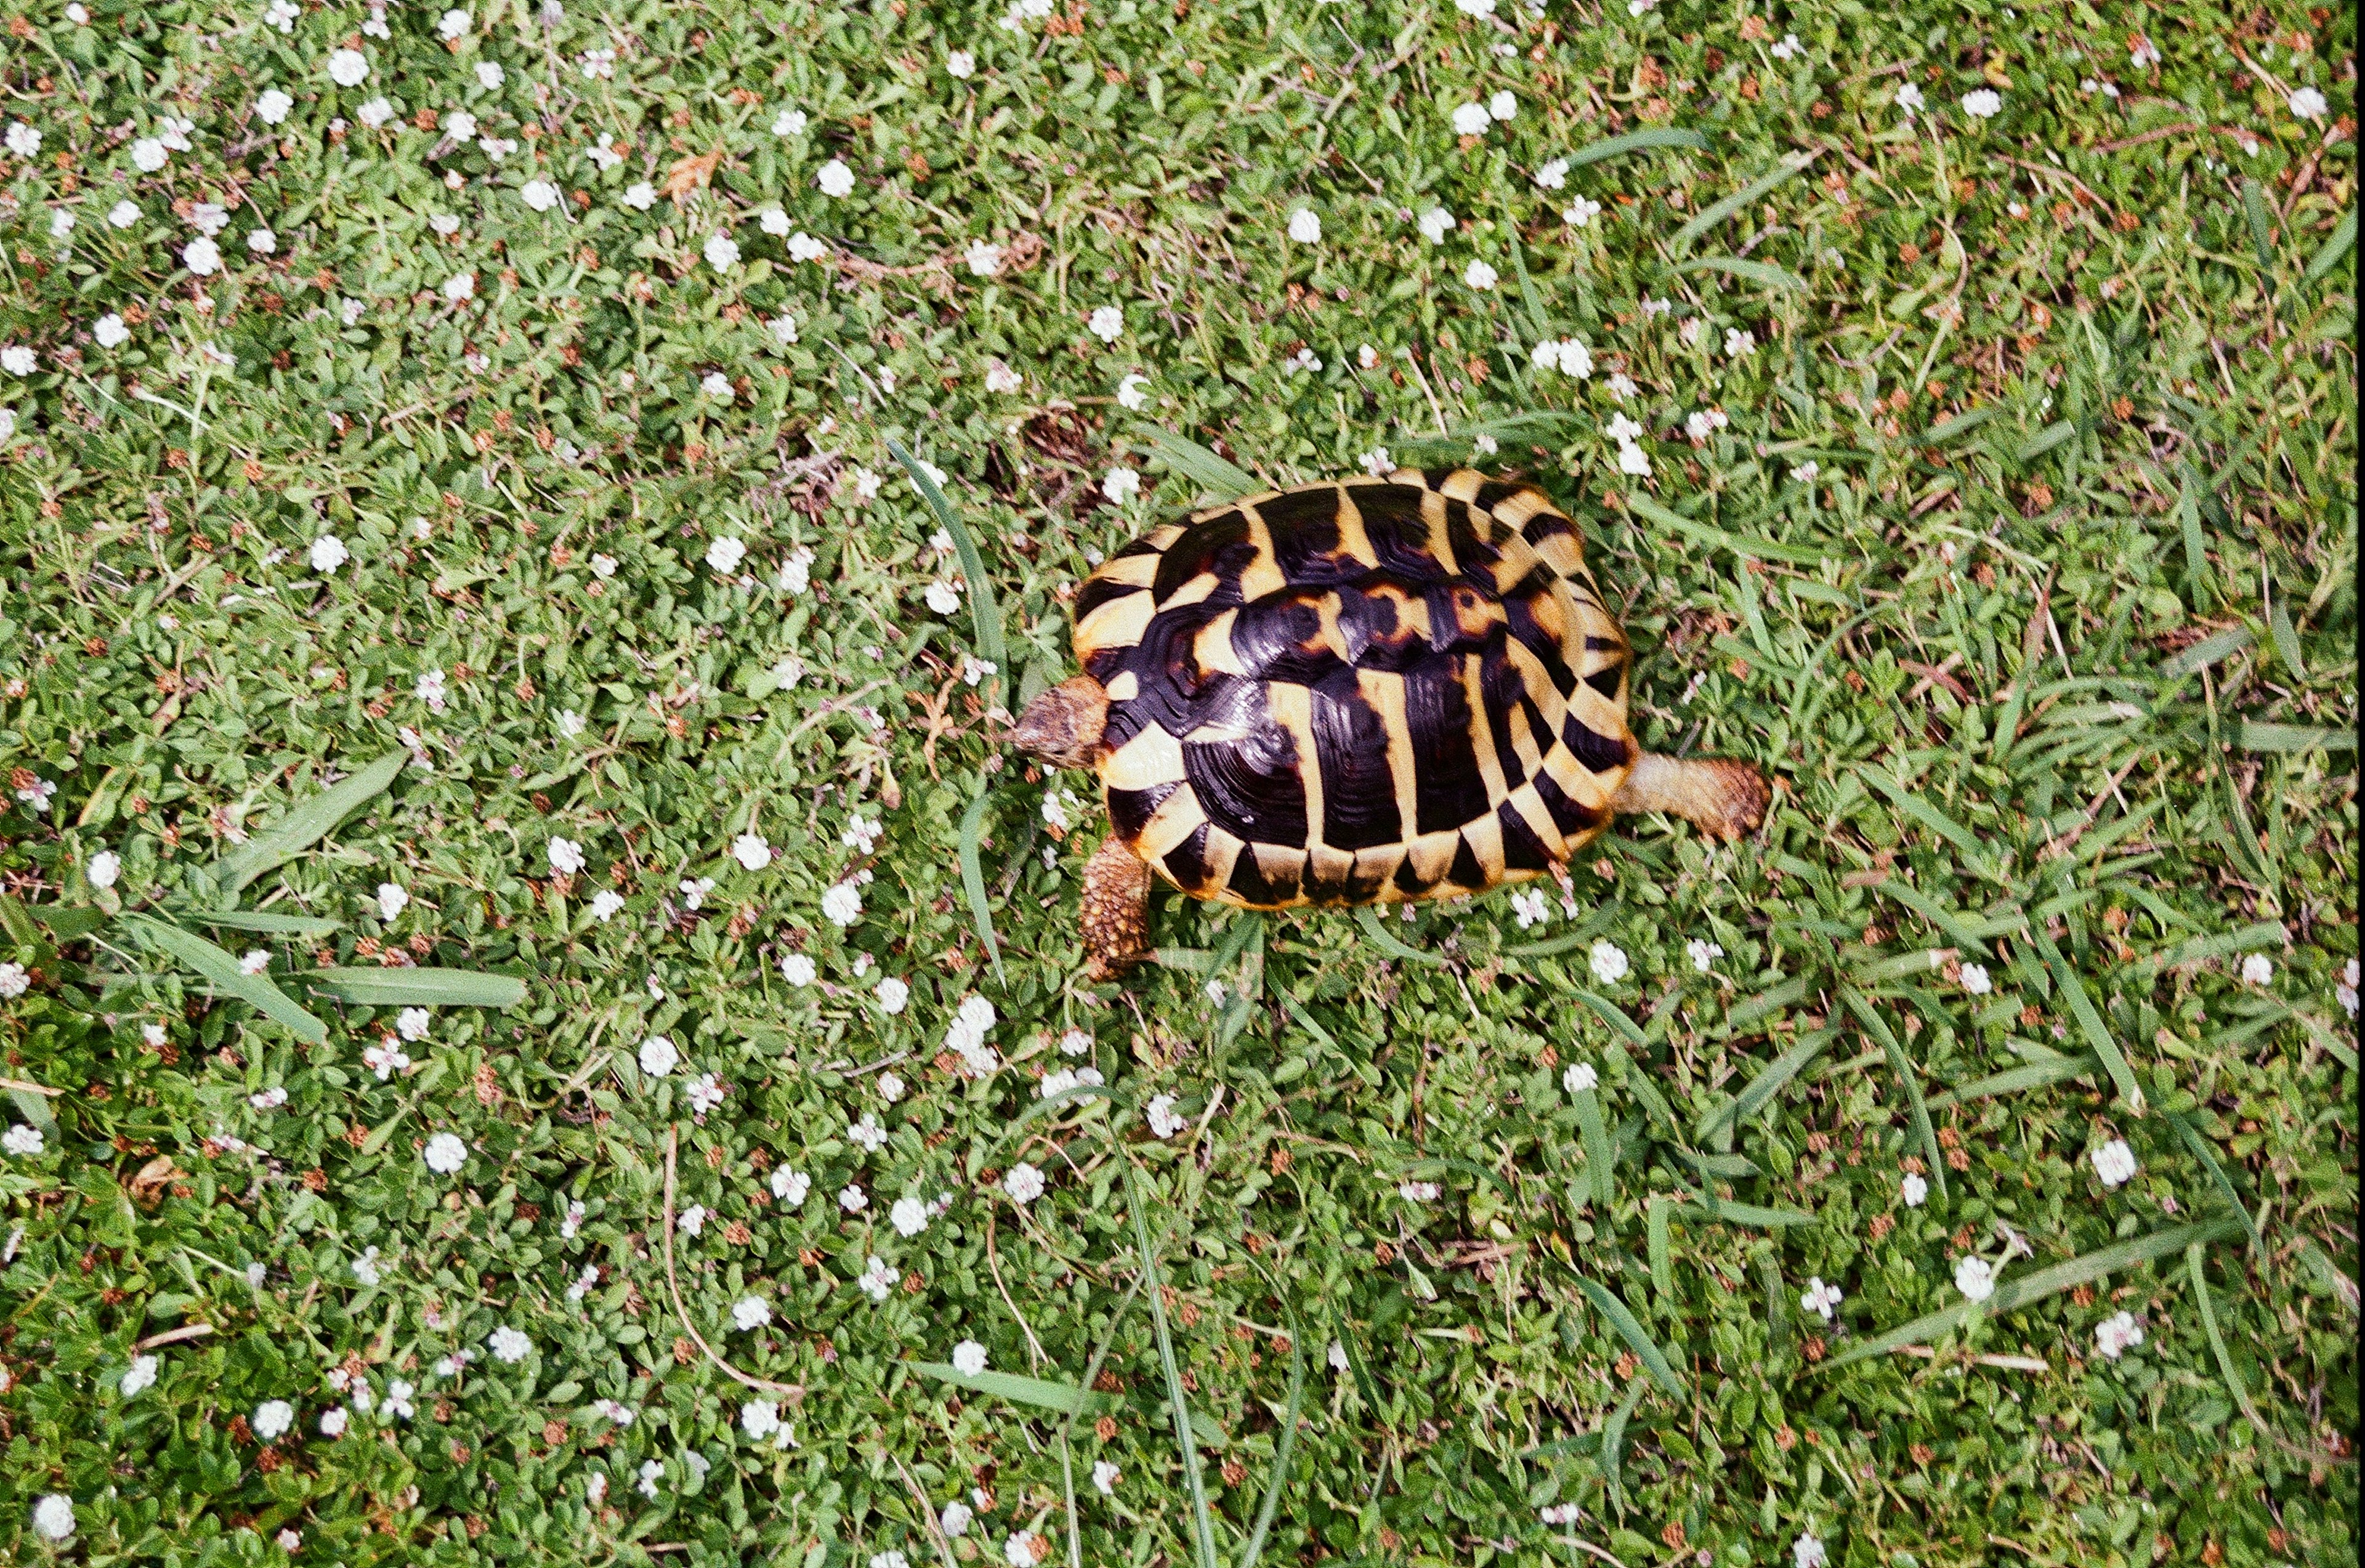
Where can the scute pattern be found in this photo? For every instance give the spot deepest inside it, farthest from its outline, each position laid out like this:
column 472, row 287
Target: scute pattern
column 1373, row 690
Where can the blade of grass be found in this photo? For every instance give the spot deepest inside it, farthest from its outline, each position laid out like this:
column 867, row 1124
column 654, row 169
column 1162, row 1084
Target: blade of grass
column 419, row 988
column 1768, row 1083
column 2013, row 1295
column 1760, row 272
column 1613, row 1439
column 2335, row 248
column 275, row 924
column 2206, row 652
column 1177, row 1404
column 1961, row 424
column 2262, row 240
column 1746, row 1213
column 1635, row 1078
column 972, row 875
column 223, row 973
column 2226, row 1368
column 1711, row 216
column 2067, row 982
column 1663, row 1268
column 2208, row 1157
column 1222, row 479
column 1878, row 1027
column 1281, row 1449
column 1368, row 918
column 1600, row 1155
column 2045, row 440
column 1635, row 141
column 984, row 611
column 307, row 824
column 1631, row 1329
column 1041, row 1394
column 1066, row 1428
column 2018, row 1080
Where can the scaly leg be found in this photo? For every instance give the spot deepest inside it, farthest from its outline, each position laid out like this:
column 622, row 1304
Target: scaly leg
column 1115, row 910
column 1717, row 795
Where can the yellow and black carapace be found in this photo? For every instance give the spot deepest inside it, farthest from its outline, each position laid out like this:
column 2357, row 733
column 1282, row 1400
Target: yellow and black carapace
column 1363, row 692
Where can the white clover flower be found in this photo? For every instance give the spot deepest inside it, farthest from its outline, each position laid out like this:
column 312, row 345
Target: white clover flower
column 1578, row 1077
column 348, row 67
column 909, row 1215
column 1982, row 102
column 1024, row 1183
column 460, row 286
column 2307, row 104
column 23, row 140
column 149, row 154
column 1975, row 979
column 1739, row 343
column 53, row 1516
column 254, row 961
column 1105, row 1474
column 1472, row 119
column 598, row 64
column 658, row 1056
column 123, row 214
column 1807, row 1551
column 2257, row 969
column 1502, row 106
column 262, row 241
column 706, row 1092
column 201, row 256
column 1915, row 1188
column 750, row 1313
column 1552, row 176
column 942, row 596
column 1306, row 226
column 1908, row 99
column 139, row 1378
column 453, row 24
column 445, row 1153
column 2118, row 1334
column 791, row 1186
column 722, row 252
column 328, row 552
column 759, row 1418
column 1975, row 1277
column 539, row 194
column 797, row 969
column 1106, row 323
column 20, row 1140
column 1787, row 47
column 878, row 1280
column 1376, row 461
column 2344, row 989
column 1821, row 1298
column 378, row 114
column 804, row 247
column 565, row 856
column 960, row 65
column 105, row 867
column 1702, row 953
column 1580, row 212
column 272, row 1419
column 2114, row 1162
column 1610, row 962
column 1478, row 275
column 836, row 179
column 459, row 125
column 842, row 904
column 1121, row 485
column 640, row 195
column 984, row 258
column 271, row 105
column 1435, row 224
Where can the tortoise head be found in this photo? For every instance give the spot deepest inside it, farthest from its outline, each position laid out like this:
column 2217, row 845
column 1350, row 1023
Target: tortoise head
column 1062, row 726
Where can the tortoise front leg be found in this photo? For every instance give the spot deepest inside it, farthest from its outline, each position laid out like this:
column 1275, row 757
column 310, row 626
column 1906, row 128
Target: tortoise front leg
column 1115, row 910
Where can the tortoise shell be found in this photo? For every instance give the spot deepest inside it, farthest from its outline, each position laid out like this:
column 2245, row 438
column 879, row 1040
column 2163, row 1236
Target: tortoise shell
column 1369, row 690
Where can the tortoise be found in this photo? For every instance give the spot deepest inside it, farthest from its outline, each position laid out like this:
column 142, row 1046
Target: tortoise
column 1367, row 691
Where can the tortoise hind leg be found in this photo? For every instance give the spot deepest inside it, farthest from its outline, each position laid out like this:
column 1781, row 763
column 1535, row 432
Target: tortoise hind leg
column 1115, row 910
column 1715, row 794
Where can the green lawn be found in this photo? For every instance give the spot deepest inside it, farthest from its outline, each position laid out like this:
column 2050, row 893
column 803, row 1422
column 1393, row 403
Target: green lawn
column 516, row 405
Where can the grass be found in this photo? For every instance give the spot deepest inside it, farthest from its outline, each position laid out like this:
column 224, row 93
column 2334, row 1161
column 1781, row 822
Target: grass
column 2023, row 557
